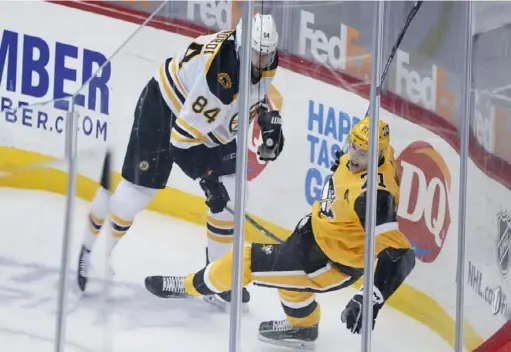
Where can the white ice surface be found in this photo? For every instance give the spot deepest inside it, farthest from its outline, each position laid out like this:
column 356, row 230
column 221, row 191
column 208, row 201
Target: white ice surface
column 131, row 319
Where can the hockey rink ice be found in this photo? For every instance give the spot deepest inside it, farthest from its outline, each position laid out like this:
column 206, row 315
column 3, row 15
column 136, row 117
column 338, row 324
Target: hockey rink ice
column 131, row 319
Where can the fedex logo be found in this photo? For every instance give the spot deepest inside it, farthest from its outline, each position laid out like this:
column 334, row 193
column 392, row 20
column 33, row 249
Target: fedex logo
column 429, row 92
column 339, row 52
column 212, row 13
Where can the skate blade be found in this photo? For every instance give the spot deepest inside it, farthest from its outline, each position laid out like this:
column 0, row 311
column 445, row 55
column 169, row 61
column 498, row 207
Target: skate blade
column 225, row 306
column 296, row 344
column 79, row 288
column 171, row 295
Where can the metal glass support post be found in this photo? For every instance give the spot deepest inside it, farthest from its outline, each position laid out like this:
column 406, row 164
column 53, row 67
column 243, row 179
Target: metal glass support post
column 370, row 223
column 466, row 113
column 241, row 178
column 286, row 26
column 70, row 154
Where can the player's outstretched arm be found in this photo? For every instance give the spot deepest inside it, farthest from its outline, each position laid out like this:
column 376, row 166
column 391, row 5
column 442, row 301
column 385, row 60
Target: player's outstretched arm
column 396, row 259
column 394, row 265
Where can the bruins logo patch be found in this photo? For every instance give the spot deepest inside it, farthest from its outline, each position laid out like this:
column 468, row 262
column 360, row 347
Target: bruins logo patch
column 225, row 80
column 233, row 124
column 143, row 165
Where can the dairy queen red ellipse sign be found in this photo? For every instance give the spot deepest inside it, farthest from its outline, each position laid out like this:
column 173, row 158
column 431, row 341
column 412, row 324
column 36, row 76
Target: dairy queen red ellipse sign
column 424, row 214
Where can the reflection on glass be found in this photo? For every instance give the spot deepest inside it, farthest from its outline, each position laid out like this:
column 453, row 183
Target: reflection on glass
column 487, row 285
column 146, row 100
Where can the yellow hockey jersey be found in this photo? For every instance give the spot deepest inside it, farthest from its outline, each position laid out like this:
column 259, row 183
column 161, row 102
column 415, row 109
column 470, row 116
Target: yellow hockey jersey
column 338, row 219
column 201, row 84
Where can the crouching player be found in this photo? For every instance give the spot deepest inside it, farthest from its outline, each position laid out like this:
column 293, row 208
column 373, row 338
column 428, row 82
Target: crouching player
column 324, row 253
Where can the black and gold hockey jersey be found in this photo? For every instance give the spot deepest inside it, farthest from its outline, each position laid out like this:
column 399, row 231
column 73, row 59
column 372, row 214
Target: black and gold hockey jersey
column 338, row 219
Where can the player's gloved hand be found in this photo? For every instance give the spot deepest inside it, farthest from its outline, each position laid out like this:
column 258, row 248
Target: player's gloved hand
column 271, row 132
column 338, row 154
column 352, row 314
column 216, row 193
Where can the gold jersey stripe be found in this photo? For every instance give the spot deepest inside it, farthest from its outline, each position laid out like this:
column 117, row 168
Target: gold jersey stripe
column 169, row 92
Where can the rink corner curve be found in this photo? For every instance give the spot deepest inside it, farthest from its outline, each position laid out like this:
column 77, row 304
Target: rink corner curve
column 19, row 169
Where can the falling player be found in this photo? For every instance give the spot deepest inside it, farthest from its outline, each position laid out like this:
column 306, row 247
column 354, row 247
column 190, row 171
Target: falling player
column 324, row 253
column 193, row 102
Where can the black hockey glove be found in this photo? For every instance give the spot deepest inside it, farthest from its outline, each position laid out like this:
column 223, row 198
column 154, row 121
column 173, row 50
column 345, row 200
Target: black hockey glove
column 271, row 131
column 352, row 314
column 338, row 155
column 216, row 193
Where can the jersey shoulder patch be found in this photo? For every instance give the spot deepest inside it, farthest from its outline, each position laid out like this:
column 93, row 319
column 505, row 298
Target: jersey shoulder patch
column 223, row 73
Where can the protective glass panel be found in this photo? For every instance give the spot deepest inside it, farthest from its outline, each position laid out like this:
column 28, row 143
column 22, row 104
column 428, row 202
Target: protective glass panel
column 418, row 103
column 323, row 79
column 137, row 229
column 422, row 97
column 324, row 64
column 487, row 284
column 321, row 89
column 33, row 184
column 423, row 93
column 38, row 65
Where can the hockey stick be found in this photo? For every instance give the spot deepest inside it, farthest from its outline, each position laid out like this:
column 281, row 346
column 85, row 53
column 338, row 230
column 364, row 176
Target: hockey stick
column 393, row 52
column 259, row 227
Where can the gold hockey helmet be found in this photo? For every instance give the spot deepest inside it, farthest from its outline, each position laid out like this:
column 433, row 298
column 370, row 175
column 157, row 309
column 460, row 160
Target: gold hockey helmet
column 359, row 135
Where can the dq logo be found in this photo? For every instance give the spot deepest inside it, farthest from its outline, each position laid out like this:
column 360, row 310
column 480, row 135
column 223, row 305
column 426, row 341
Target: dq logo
column 256, row 166
column 424, row 213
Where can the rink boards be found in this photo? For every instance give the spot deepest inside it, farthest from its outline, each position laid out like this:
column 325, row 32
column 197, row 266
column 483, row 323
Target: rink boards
column 42, row 62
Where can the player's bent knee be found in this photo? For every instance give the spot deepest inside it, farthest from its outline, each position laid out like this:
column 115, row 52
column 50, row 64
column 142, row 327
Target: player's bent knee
column 216, row 276
column 129, row 199
column 100, row 203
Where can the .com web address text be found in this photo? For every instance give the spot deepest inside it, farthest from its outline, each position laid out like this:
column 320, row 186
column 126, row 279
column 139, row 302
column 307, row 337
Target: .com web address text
column 34, row 117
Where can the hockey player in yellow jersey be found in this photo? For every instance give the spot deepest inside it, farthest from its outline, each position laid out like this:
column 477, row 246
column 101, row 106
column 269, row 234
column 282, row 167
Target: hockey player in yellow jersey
column 187, row 114
column 325, row 252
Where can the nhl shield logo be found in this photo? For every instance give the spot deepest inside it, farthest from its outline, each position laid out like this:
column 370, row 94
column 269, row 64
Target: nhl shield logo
column 503, row 241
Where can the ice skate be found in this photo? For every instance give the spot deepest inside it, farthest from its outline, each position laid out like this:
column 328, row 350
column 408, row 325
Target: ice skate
column 223, row 300
column 167, row 286
column 281, row 333
column 83, row 268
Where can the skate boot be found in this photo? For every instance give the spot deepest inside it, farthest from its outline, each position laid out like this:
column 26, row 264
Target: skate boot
column 83, row 267
column 167, row 286
column 281, row 333
column 223, row 300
